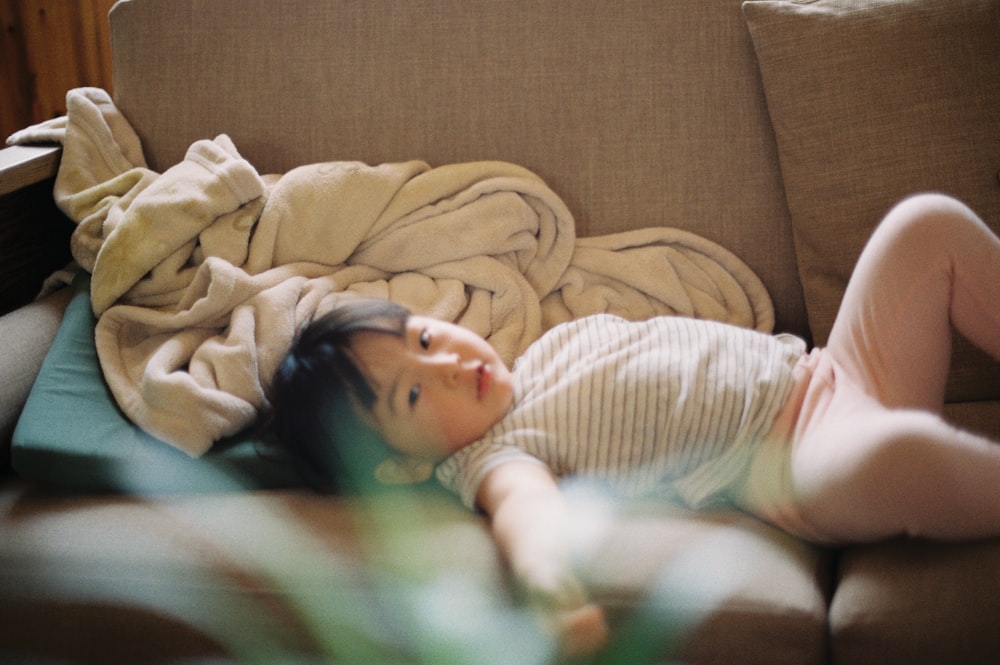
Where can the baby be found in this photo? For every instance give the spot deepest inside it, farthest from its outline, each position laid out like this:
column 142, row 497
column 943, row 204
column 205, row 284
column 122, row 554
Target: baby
column 834, row 445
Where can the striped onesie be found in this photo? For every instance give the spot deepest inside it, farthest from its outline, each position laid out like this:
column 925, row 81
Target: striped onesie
column 667, row 406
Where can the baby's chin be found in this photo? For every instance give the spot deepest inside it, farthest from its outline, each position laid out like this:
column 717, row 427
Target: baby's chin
column 468, row 441
column 499, row 419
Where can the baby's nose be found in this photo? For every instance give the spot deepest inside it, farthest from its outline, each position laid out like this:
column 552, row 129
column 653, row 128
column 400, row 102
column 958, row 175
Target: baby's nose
column 445, row 363
column 449, row 367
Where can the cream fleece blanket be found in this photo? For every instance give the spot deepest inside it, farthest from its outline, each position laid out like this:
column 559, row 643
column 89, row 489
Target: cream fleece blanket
column 203, row 274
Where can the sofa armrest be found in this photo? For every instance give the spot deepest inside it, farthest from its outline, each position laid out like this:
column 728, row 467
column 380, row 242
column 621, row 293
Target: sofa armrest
column 21, row 166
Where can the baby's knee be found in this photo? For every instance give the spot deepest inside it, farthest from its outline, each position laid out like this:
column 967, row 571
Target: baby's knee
column 904, row 445
column 861, row 488
column 928, row 218
column 890, row 448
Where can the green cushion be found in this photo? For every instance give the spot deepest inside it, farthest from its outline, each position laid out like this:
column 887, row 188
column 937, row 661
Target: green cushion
column 72, row 434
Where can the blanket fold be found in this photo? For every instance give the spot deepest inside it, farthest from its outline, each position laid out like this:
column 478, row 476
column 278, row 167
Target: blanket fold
column 202, row 275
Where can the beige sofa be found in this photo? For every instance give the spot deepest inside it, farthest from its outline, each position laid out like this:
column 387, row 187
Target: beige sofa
column 780, row 129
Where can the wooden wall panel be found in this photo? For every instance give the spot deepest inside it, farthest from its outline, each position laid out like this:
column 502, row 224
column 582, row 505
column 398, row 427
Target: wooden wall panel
column 49, row 47
column 15, row 82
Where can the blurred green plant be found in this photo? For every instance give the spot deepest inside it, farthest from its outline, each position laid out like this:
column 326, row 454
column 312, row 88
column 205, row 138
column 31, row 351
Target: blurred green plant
column 422, row 596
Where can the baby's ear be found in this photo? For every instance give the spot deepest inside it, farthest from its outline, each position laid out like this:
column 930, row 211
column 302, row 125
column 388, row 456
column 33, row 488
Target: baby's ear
column 401, row 470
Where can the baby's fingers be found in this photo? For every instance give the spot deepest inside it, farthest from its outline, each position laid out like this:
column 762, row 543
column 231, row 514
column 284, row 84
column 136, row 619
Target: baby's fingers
column 582, row 631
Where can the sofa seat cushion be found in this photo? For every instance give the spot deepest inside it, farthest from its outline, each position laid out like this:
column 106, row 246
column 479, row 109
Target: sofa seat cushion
column 872, row 102
column 281, row 572
column 71, row 432
column 910, row 602
column 716, row 587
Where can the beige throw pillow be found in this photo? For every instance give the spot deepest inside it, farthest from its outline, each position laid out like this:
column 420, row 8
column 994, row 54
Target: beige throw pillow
column 871, row 102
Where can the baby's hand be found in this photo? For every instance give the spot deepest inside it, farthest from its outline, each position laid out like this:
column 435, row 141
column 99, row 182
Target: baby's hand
column 583, row 631
column 560, row 598
column 530, row 525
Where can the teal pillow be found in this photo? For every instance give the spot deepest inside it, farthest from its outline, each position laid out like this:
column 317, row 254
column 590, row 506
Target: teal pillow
column 72, row 434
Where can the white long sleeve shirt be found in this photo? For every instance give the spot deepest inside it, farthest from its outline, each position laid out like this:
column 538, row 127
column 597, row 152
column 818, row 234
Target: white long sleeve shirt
column 665, row 406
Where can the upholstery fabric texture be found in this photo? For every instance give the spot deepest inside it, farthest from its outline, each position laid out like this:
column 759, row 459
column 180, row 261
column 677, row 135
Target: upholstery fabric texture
column 905, row 602
column 614, row 142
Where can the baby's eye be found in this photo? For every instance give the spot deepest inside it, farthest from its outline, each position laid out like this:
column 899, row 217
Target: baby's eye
column 414, row 395
column 425, row 339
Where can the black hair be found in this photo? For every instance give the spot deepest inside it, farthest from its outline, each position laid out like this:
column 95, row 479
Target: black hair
column 319, row 394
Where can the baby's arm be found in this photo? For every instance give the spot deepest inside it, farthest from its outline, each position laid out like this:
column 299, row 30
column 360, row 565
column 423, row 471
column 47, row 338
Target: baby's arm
column 529, row 523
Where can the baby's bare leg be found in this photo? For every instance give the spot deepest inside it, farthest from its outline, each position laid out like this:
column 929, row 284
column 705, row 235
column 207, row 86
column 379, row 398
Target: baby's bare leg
column 876, row 460
column 870, row 457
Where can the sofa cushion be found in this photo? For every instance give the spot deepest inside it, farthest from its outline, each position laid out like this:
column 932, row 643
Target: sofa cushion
column 872, row 102
column 411, row 570
column 706, row 587
column 71, row 433
column 911, row 602
column 664, row 123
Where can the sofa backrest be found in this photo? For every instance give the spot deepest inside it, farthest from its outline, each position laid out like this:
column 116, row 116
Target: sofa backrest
column 637, row 112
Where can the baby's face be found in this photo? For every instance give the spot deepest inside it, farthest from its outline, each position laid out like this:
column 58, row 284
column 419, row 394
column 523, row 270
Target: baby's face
column 439, row 387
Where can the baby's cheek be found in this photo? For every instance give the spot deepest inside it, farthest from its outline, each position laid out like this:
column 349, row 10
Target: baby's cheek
column 459, row 428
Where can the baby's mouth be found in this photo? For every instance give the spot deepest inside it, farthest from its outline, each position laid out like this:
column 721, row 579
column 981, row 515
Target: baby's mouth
column 485, row 379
